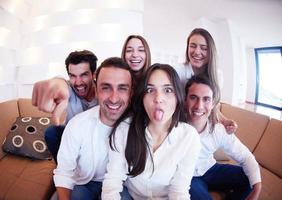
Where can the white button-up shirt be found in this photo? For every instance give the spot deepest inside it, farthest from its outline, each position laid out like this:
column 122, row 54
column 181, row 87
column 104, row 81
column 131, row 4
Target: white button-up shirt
column 174, row 164
column 232, row 146
column 83, row 153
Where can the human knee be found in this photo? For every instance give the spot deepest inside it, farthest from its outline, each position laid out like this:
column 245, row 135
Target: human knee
column 125, row 194
column 81, row 192
column 53, row 133
column 199, row 190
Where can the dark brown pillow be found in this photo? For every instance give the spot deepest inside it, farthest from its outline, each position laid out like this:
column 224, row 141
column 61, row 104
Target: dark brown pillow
column 26, row 138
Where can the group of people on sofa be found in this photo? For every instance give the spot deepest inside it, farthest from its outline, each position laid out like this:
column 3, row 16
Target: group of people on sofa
column 139, row 131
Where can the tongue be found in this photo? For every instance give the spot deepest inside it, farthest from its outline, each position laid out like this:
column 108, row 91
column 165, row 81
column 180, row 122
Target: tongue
column 158, row 115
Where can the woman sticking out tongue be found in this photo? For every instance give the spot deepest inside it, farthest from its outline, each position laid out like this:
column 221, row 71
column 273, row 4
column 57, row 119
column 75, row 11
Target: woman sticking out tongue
column 158, row 114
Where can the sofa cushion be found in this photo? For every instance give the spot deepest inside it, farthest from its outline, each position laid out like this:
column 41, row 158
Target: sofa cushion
column 251, row 125
column 26, row 138
column 26, row 179
column 26, row 109
column 9, row 113
column 219, row 155
column 217, row 195
column 268, row 152
column 271, row 185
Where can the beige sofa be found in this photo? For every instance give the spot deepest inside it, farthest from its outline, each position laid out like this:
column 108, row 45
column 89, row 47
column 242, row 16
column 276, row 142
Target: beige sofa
column 263, row 136
column 24, row 179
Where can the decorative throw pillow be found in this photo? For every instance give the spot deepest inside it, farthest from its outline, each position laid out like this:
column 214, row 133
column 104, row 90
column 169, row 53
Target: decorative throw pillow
column 26, row 138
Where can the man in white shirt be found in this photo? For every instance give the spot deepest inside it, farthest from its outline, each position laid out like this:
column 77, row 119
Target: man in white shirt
column 83, row 152
column 243, row 180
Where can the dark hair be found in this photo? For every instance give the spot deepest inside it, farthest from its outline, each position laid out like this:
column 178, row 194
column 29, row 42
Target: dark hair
column 203, row 79
column 211, row 66
column 137, row 144
column 84, row 56
column 114, row 62
column 147, row 52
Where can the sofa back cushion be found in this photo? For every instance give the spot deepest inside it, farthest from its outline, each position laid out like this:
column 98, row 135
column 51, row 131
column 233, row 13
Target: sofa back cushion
column 268, row 152
column 9, row 113
column 251, row 125
column 26, row 109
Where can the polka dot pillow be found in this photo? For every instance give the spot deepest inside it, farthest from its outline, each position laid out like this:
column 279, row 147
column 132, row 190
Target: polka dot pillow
column 26, row 138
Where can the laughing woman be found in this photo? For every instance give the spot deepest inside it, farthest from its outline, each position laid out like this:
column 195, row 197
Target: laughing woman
column 136, row 53
column 201, row 59
column 154, row 152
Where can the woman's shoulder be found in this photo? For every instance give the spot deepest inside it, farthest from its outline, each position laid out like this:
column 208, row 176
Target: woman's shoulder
column 185, row 134
column 185, row 125
column 184, row 71
column 185, row 128
column 179, row 67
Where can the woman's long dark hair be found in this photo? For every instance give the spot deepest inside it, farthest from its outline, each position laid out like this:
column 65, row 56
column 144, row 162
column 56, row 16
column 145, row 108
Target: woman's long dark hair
column 137, row 146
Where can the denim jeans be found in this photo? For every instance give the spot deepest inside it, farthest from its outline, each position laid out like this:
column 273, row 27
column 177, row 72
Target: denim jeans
column 221, row 177
column 92, row 191
column 53, row 136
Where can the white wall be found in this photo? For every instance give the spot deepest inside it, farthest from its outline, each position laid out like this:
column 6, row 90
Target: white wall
column 236, row 25
column 251, row 71
column 10, row 22
column 38, row 43
column 36, row 36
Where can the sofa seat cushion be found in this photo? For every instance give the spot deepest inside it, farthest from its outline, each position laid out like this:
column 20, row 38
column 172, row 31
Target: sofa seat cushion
column 271, row 185
column 219, row 155
column 217, row 195
column 22, row 178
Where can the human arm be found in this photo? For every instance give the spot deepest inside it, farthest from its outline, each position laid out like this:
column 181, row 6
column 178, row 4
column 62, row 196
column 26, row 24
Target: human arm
column 51, row 96
column 180, row 183
column 63, row 193
column 229, row 124
column 117, row 167
column 65, row 172
column 234, row 148
column 254, row 195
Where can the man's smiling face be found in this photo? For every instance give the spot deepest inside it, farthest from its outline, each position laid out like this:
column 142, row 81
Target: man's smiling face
column 199, row 103
column 81, row 79
column 113, row 93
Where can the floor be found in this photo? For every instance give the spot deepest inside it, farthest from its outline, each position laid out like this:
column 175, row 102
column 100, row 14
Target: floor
column 273, row 113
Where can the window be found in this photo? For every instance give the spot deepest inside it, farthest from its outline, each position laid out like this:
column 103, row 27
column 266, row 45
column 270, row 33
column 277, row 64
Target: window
column 269, row 77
